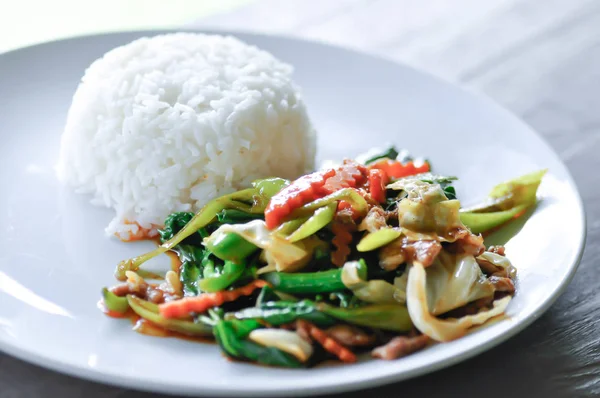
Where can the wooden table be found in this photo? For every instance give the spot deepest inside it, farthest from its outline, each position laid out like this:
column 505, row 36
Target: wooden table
column 539, row 58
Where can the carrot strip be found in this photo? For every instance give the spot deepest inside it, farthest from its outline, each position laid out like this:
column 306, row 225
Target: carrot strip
column 186, row 306
column 341, row 241
column 330, row 345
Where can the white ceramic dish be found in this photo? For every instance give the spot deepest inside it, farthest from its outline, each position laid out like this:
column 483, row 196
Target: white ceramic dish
column 54, row 257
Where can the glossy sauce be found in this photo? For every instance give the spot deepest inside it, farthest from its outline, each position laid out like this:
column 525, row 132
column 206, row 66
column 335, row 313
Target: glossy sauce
column 147, row 328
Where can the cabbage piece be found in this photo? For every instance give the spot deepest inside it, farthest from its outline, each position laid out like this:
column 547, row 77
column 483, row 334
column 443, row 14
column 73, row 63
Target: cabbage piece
column 454, row 280
column 378, row 291
column 279, row 253
column 427, row 211
column 501, row 263
column 441, row 329
column 284, row 340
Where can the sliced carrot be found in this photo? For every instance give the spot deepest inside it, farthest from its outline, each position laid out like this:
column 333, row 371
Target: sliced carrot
column 186, row 306
column 328, row 343
column 341, row 241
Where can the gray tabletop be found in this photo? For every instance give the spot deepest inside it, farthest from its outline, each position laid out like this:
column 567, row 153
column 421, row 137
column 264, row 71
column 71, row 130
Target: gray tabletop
column 538, row 58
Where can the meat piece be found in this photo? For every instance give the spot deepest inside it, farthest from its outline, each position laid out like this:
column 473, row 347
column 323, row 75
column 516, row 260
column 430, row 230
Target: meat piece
column 121, row 290
column 500, row 250
column 155, row 296
column 374, row 220
column 503, row 284
column 400, row 346
column 467, row 243
column 487, row 266
column 351, row 336
column 470, row 309
column 140, row 289
column 403, row 250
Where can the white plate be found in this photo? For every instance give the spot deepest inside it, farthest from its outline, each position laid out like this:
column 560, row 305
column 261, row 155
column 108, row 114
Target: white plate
column 54, row 257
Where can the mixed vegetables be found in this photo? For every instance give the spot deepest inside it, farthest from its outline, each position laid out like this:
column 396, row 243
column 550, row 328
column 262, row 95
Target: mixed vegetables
column 367, row 255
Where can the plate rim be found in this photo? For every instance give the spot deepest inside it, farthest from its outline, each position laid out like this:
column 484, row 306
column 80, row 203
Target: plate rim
column 91, row 374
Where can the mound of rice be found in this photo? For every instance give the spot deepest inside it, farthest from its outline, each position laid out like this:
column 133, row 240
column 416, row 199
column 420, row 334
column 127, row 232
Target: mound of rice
column 167, row 123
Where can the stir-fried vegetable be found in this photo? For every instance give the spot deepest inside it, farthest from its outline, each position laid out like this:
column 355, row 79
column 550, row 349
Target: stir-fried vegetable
column 114, row 303
column 306, row 283
column 505, row 202
column 292, row 273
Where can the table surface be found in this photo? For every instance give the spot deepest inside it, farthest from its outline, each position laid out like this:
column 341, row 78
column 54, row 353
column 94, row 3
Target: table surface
column 541, row 60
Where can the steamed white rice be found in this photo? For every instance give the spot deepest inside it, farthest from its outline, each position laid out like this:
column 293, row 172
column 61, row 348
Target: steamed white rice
column 167, row 123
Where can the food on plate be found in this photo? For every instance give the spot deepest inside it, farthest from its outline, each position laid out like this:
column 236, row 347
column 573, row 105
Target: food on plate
column 164, row 124
column 371, row 255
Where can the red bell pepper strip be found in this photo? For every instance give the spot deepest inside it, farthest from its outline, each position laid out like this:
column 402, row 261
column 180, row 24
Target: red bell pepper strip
column 396, row 169
column 349, row 175
column 377, row 182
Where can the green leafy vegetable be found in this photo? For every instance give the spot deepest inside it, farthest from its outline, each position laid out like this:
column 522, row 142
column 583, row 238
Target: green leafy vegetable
column 231, row 273
column 390, row 153
column 233, row 216
column 281, row 312
column 392, row 317
column 232, row 337
column 191, row 258
column 174, row 223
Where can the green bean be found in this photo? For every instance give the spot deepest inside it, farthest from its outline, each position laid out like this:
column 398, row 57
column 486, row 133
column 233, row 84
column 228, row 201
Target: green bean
column 230, row 246
column 281, row 312
column 231, row 273
column 306, row 283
